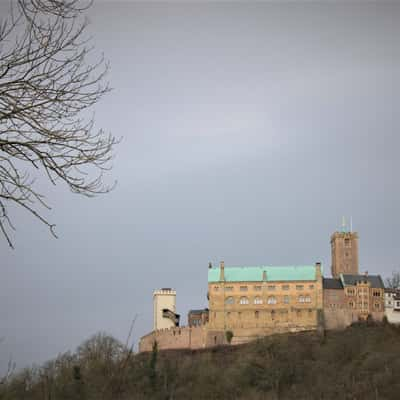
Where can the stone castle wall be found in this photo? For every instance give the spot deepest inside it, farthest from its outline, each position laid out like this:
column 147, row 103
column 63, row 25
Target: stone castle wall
column 342, row 318
column 175, row 338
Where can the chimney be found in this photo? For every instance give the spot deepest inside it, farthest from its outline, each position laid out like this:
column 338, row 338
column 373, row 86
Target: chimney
column 222, row 271
column 264, row 277
column 318, row 271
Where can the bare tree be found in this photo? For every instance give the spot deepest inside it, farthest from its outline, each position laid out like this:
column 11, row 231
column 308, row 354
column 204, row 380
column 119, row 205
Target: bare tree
column 394, row 281
column 47, row 88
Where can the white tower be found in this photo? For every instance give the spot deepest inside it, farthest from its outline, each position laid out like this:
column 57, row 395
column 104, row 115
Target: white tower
column 163, row 299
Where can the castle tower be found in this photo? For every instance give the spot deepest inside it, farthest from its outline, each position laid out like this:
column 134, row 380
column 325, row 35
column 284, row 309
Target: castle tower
column 164, row 306
column 344, row 246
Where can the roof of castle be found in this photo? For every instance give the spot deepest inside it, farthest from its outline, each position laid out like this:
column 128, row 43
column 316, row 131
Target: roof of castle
column 351, row 280
column 255, row 274
column 204, row 310
column 332, row 283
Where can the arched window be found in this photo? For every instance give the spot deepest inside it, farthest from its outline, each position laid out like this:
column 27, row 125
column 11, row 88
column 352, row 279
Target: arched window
column 229, row 300
column 271, row 300
column 258, row 300
column 301, row 299
column 307, row 299
column 244, row 300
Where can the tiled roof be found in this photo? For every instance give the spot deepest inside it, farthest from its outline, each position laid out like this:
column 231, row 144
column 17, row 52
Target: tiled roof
column 255, row 274
column 351, row 280
column 331, row 283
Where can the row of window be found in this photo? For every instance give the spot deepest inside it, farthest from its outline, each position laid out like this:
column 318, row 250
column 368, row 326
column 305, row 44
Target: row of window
column 396, row 303
column 270, row 300
column 361, row 305
column 259, row 288
column 352, row 292
column 257, row 313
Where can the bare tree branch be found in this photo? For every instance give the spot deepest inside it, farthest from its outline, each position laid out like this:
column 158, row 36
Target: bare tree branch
column 47, row 87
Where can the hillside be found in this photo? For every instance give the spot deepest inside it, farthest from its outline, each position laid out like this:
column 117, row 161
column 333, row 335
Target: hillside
column 362, row 362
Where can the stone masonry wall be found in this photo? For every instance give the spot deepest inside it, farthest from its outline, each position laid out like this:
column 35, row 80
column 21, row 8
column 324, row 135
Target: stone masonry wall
column 342, row 318
column 175, row 338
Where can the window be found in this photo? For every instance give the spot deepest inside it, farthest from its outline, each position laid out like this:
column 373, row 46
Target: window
column 243, row 288
column 311, row 287
column 376, row 293
column 271, row 287
column 351, row 304
column 228, row 288
column 258, row 300
column 271, row 300
column 229, row 300
column 285, row 287
column 216, row 288
column 273, row 314
column 256, row 314
column 350, row 292
column 286, row 299
column 376, row 306
column 347, row 242
column 299, row 287
column 257, row 288
column 304, row 299
column 244, row 300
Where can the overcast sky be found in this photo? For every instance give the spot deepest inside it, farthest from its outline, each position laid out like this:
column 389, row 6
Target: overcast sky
column 248, row 131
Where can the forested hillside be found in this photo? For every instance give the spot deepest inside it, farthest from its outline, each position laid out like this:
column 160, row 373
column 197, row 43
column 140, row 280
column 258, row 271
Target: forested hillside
column 362, row 362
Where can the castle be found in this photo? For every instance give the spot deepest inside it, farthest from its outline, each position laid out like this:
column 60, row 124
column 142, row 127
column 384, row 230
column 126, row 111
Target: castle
column 246, row 303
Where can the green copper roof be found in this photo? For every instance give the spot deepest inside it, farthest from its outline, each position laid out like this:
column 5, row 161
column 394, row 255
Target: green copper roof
column 255, row 274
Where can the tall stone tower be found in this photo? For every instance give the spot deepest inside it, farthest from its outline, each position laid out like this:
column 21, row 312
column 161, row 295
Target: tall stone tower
column 164, row 308
column 344, row 246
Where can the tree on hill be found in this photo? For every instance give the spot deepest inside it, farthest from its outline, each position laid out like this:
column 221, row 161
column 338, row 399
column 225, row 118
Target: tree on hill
column 48, row 84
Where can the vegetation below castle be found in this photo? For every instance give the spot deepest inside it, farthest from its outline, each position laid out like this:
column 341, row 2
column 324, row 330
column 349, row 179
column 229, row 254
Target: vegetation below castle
column 362, row 362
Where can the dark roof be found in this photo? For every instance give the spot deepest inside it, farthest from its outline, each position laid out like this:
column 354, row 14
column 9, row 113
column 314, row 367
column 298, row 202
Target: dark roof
column 374, row 280
column 198, row 311
column 391, row 290
column 331, row 283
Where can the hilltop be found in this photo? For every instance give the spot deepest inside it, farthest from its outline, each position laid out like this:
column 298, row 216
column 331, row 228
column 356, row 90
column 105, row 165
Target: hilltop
column 361, row 362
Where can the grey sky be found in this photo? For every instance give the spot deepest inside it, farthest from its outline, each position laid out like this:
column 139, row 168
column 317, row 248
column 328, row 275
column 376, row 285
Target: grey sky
column 249, row 130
